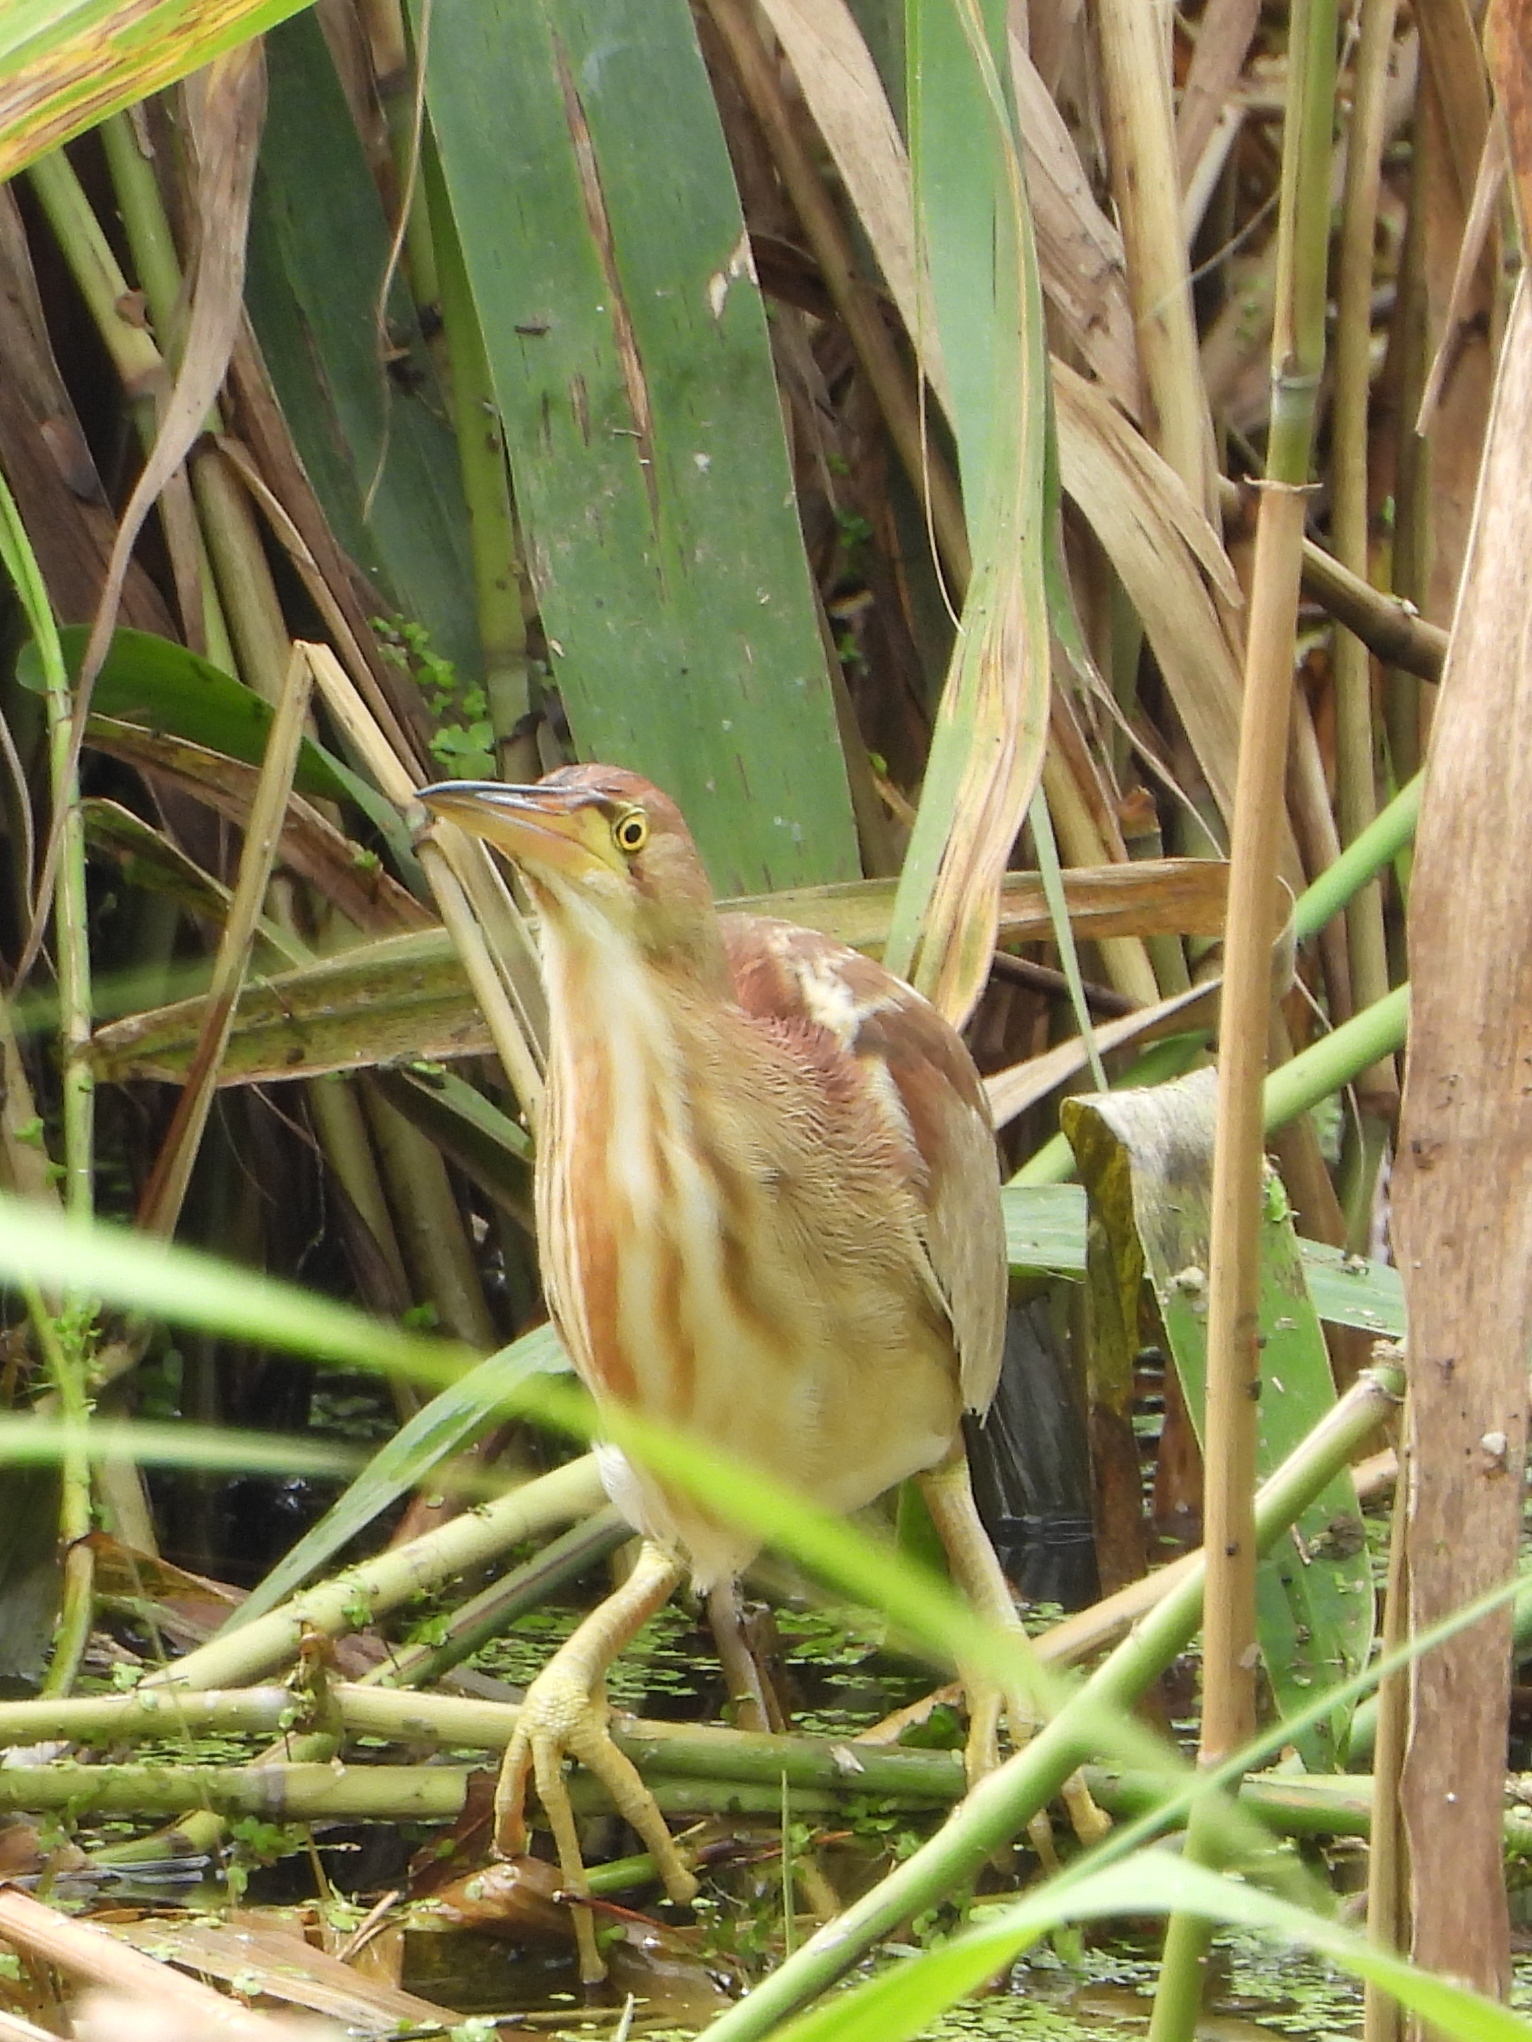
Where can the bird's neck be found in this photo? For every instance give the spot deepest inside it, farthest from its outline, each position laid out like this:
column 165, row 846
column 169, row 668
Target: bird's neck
column 610, row 995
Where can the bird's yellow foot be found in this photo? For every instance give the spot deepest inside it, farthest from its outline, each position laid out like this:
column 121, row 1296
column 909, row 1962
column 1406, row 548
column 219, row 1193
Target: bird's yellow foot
column 564, row 1714
column 986, row 1707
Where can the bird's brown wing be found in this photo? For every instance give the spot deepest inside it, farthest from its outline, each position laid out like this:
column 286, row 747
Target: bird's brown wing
column 933, row 1091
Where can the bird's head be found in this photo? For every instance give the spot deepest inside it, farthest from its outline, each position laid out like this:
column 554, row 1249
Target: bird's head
column 597, row 845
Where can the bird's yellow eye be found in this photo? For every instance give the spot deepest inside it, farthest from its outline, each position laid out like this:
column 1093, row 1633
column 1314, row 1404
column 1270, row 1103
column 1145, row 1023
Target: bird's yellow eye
column 630, row 832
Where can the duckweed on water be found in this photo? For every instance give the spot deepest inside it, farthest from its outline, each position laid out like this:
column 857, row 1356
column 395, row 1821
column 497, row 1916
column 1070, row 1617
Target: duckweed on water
column 668, row 1658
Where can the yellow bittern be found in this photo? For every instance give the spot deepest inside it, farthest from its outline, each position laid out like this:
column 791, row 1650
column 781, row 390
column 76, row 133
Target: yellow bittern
column 769, row 1215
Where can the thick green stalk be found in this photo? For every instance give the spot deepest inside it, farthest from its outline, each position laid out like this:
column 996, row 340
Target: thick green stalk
column 1000, row 1806
column 1376, row 846
column 353, row 1599
column 1335, row 1059
column 63, row 1336
column 1292, row 1088
column 1379, row 843
column 66, row 1340
column 491, row 1613
column 150, row 240
column 1230, row 1655
column 139, row 364
column 61, row 1339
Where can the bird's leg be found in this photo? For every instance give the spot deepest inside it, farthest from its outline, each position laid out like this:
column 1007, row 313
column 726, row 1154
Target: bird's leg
column 565, row 1712
column 742, row 1675
column 949, row 1498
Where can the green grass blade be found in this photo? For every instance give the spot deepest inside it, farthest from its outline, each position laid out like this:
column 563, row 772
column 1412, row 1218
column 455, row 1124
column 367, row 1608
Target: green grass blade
column 454, row 1419
column 903, row 2001
column 66, row 64
column 987, row 749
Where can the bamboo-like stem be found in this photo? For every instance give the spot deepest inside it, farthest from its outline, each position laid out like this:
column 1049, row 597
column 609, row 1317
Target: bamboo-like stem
column 491, row 1612
column 999, row 1808
column 1233, row 1361
column 140, row 366
column 431, row 1231
column 1403, row 696
column 100, row 281
column 1386, row 625
column 891, row 382
column 314, row 1790
column 1335, row 1059
column 1133, row 40
column 300, row 1790
column 351, row 1600
column 156, row 259
column 70, row 910
column 1377, row 846
column 1355, row 748
column 711, row 1754
column 65, row 1341
column 61, row 1341
column 1230, row 1653
column 63, row 1336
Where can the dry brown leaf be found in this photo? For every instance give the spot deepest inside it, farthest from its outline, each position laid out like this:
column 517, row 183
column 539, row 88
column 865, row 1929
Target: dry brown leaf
column 1079, row 250
column 268, row 1958
column 226, row 104
column 1219, row 56
column 311, row 846
column 1167, row 555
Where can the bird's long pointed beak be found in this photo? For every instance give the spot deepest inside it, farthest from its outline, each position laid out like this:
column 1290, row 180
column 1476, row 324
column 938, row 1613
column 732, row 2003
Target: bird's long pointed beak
column 558, row 827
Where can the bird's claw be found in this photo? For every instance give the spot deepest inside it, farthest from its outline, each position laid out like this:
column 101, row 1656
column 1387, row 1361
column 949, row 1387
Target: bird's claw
column 986, row 1707
column 560, row 1717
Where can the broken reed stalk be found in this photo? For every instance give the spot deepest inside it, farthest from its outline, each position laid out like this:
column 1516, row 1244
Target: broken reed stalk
column 353, row 1599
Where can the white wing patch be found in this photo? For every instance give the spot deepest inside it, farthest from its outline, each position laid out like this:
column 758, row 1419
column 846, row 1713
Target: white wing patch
column 829, row 1000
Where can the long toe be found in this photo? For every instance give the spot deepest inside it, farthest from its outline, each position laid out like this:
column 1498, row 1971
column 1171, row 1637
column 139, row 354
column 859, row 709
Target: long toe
column 564, row 1715
column 561, row 1718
